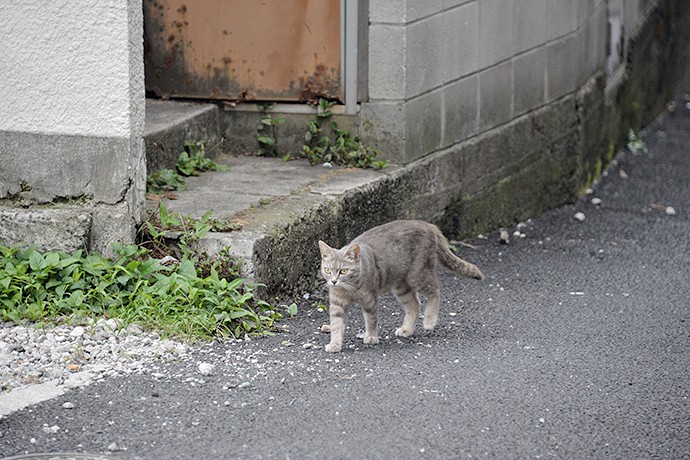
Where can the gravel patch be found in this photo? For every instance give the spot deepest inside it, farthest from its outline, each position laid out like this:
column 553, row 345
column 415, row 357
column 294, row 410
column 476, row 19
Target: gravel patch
column 75, row 356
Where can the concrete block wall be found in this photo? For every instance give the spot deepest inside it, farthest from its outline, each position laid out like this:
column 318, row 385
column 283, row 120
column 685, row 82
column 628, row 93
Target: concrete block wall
column 508, row 103
column 451, row 70
column 71, row 125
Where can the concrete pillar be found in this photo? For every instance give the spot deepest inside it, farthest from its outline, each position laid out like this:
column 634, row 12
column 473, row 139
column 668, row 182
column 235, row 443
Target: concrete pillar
column 72, row 162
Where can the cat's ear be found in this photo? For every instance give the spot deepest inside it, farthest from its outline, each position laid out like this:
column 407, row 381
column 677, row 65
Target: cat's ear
column 326, row 250
column 354, row 253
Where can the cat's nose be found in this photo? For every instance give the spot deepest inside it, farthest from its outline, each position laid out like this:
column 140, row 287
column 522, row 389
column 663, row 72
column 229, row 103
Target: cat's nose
column 333, row 281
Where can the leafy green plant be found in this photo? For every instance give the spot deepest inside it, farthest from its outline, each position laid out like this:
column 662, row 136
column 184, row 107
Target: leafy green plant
column 178, row 300
column 346, row 149
column 165, row 180
column 635, row 144
column 266, row 134
column 164, row 233
column 292, row 309
column 191, row 162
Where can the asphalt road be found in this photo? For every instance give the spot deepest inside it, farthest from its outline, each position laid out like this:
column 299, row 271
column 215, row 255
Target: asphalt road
column 577, row 345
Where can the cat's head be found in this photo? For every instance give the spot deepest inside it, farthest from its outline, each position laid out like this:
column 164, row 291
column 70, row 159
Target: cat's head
column 340, row 266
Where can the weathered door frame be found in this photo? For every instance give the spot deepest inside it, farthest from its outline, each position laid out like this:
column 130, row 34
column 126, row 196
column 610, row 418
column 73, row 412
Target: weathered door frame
column 354, row 19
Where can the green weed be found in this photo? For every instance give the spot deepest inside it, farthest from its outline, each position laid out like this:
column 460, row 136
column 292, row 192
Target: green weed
column 346, row 149
column 266, row 134
column 178, row 300
column 191, row 162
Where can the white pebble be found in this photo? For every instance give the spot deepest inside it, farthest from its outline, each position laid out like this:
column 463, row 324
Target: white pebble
column 327, row 165
column 596, row 201
column 68, row 405
column 579, row 216
column 206, row 369
column 77, row 332
column 670, row 211
column 307, row 345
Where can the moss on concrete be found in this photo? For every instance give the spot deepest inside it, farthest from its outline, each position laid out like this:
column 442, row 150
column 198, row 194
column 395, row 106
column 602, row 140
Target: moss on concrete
column 594, row 125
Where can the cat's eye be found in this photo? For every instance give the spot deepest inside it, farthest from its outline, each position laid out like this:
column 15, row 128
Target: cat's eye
column 327, row 271
column 343, row 271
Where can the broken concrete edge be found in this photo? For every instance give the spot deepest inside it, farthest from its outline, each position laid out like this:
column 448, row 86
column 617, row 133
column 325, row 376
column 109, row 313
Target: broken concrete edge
column 68, row 228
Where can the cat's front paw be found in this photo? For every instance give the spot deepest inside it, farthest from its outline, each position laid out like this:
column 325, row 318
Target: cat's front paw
column 333, row 347
column 371, row 340
column 403, row 332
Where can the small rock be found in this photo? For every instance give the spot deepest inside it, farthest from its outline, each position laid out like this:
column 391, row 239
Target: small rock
column 516, row 233
column 623, row 175
column 79, row 379
column 596, row 201
column 77, row 332
column 169, row 260
column 51, row 429
column 504, row 238
column 580, row 216
column 327, row 165
column 206, row 369
column 114, row 447
column 589, row 191
column 307, row 346
column 68, row 405
column 670, row 211
column 244, row 385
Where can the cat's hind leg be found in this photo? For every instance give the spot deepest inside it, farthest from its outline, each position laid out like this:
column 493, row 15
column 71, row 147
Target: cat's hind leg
column 433, row 299
column 408, row 297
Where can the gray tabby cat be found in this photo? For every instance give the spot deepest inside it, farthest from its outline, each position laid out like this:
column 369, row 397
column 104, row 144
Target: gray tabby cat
column 398, row 257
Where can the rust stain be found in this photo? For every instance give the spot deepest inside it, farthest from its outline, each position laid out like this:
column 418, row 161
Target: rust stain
column 238, row 50
column 323, row 83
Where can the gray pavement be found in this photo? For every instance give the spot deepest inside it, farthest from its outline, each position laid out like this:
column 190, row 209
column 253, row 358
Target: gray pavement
column 577, row 345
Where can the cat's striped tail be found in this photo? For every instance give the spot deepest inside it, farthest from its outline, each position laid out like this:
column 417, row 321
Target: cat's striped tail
column 453, row 262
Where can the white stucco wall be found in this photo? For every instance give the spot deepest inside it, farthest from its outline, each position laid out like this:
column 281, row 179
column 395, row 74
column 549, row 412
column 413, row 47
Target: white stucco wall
column 67, row 67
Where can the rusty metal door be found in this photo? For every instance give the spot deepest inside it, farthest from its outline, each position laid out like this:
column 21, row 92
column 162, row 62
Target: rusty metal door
column 243, row 50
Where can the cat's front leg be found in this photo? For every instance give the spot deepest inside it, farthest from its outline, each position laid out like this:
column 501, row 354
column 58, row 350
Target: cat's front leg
column 371, row 321
column 337, row 312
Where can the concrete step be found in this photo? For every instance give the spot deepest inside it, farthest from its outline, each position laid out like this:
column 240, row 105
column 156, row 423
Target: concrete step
column 169, row 123
column 283, row 208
